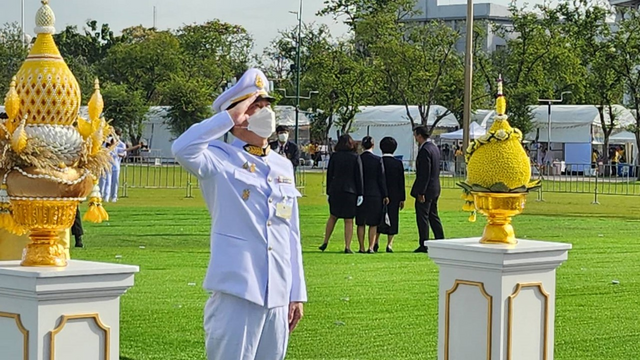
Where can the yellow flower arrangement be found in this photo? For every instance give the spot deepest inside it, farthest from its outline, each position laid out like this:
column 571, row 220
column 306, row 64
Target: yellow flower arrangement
column 497, row 167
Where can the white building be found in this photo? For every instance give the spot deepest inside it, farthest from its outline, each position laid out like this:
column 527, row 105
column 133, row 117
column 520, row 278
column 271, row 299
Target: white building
column 455, row 16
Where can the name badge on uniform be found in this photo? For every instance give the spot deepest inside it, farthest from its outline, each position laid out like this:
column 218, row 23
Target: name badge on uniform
column 283, row 211
column 285, row 180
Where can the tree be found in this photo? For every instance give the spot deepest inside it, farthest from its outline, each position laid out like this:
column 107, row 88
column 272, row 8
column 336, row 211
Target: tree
column 343, row 79
column 537, row 62
column 280, row 57
column 213, row 52
column 144, row 62
column 354, row 11
column 92, row 45
column 420, row 64
column 588, row 34
column 627, row 62
column 12, row 54
column 84, row 51
column 190, row 103
column 126, row 109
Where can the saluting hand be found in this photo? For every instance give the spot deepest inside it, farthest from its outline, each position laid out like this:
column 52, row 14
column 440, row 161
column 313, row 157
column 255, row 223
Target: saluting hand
column 239, row 112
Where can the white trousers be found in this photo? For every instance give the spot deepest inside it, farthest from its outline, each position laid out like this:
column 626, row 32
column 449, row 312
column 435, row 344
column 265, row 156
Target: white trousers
column 109, row 185
column 237, row 329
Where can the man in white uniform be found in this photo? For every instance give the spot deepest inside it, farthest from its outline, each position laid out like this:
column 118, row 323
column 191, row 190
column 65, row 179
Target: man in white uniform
column 255, row 272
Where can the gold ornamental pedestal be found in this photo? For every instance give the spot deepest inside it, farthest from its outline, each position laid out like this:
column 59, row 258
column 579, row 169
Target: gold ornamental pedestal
column 45, row 219
column 499, row 208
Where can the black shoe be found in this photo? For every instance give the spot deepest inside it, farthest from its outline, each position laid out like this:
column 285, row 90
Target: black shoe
column 371, row 251
column 375, row 248
column 389, row 249
column 79, row 243
column 421, row 249
column 348, row 251
column 323, row 247
column 361, row 252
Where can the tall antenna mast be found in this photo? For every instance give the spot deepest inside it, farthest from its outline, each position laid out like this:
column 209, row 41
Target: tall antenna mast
column 155, row 17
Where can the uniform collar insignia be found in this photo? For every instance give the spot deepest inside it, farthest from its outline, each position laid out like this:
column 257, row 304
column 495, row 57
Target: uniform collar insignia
column 256, row 150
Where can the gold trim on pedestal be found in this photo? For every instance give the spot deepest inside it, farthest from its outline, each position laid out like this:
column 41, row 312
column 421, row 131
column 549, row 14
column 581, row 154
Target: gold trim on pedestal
column 23, row 330
column 96, row 319
column 545, row 340
column 447, row 310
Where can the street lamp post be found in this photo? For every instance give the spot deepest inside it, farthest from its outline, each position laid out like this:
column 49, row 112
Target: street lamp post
column 299, row 13
column 549, row 102
column 22, row 22
column 297, row 97
column 468, row 76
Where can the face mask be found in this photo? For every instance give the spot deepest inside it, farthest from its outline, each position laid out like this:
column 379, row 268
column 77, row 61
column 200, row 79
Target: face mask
column 283, row 137
column 262, row 123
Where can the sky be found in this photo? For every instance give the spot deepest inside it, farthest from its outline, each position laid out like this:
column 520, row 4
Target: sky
column 262, row 18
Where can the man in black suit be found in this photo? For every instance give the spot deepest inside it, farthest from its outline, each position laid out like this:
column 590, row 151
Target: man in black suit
column 286, row 148
column 426, row 188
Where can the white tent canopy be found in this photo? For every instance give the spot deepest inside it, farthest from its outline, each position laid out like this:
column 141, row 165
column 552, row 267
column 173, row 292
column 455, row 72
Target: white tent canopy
column 392, row 120
column 622, row 137
column 286, row 115
column 569, row 123
column 475, row 131
column 394, row 115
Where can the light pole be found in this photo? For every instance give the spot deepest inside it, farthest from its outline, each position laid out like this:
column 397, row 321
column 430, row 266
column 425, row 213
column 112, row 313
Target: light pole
column 22, row 22
column 468, row 77
column 299, row 14
column 297, row 97
column 549, row 102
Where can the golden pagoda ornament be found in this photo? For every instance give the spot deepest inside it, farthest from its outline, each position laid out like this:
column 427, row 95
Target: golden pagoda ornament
column 498, row 176
column 49, row 166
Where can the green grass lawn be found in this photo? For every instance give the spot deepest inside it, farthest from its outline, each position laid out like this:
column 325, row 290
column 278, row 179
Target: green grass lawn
column 381, row 306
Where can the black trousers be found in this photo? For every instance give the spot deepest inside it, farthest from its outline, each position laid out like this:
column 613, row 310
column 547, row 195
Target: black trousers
column 76, row 228
column 427, row 215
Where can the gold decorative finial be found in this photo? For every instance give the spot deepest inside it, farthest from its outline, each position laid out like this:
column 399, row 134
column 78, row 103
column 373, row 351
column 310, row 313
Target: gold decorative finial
column 12, row 101
column 501, row 101
column 96, row 104
column 45, row 19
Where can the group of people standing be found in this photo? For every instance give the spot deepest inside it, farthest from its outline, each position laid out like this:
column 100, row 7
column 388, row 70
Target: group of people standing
column 109, row 181
column 371, row 189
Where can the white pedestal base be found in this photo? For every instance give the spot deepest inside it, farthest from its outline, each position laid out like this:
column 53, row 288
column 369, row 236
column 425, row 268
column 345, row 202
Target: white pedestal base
column 62, row 313
column 496, row 302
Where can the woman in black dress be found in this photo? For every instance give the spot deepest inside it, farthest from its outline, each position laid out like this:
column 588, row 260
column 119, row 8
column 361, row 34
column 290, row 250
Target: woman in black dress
column 344, row 189
column 394, row 176
column 375, row 195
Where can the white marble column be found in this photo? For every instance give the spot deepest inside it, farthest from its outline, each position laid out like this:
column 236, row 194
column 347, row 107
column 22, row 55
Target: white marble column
column 66, row 313
column 496, row 302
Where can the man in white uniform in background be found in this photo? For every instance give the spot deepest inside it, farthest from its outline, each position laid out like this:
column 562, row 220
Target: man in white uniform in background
column 255, row 274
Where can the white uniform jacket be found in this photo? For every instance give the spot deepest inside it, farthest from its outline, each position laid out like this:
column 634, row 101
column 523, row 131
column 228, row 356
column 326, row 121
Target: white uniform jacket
column 255, row 242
